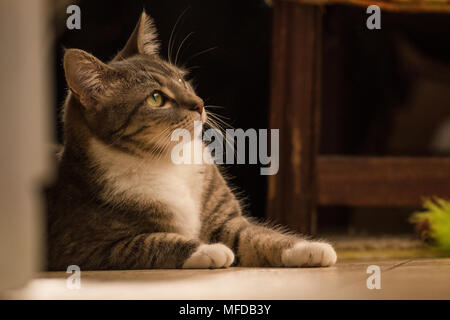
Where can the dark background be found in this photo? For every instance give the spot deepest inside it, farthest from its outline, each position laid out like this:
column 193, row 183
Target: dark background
column 377, row 98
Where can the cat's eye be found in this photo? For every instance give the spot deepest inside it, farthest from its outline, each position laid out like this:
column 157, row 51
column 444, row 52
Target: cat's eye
column 156, row 99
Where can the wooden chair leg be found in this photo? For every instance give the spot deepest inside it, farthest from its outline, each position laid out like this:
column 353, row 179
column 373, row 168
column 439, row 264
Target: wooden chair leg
column 295, row 110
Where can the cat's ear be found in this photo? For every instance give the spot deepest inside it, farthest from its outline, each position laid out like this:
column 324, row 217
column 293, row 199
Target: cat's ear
column 143, row 40
column 87, row 76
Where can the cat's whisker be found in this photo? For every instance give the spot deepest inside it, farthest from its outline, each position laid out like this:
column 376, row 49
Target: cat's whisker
column 164, row 143
column 213, row 115
column 171, row 38
column 181, row 46
column 220, row 125
column 223, row 123
column 155, row 141
column 217, row 114
column 160, row 145
column 221, row 131
column 165, row 148
column 228, row 141
column 200, row 53
column 217, row 118
column 214, row 107
column 212, row 120
column 221, row 119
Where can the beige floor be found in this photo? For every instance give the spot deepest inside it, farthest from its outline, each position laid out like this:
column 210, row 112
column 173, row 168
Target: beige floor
column 400, row 279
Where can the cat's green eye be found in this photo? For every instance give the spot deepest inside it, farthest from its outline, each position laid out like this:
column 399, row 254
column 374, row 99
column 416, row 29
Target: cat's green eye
column 156, row 99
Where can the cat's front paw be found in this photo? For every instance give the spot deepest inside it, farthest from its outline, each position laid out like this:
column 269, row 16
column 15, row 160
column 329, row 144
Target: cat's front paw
column 309, row 254
column 210, row 256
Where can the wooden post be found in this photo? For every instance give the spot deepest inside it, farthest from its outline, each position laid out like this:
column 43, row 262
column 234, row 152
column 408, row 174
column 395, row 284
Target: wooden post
column 294, row 109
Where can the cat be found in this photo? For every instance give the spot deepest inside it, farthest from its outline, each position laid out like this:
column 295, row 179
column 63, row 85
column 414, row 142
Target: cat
column 119, row 202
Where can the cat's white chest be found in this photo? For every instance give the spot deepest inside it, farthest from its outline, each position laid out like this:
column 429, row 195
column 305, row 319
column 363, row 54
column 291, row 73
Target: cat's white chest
column 178, row 187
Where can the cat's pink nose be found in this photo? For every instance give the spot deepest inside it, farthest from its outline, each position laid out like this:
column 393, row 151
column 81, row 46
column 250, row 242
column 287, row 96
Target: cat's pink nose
column 198, row 107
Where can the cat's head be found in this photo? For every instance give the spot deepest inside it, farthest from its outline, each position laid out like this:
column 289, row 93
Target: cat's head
column 136, row 100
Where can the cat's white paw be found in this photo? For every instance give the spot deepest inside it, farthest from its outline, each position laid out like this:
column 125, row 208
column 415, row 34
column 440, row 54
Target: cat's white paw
column 309, row 254
column 206, row 256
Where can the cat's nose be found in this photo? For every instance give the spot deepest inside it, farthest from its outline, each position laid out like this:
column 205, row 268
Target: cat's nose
column 198, row 107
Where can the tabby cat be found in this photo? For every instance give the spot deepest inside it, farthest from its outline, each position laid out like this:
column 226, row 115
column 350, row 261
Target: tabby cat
column 119, row 202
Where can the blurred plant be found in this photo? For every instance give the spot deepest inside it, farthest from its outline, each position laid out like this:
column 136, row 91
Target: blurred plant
column 433, row 224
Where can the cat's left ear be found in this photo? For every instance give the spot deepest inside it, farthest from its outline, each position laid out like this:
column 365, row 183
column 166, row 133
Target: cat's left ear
column 143, row 40
column 89, row 79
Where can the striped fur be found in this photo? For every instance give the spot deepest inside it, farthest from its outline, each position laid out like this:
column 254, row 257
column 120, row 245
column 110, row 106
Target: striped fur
column 120, row 203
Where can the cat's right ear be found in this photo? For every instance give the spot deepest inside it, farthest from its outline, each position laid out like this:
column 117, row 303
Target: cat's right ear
column 87, row 76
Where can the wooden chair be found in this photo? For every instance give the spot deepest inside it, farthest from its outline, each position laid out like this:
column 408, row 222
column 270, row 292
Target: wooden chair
column 307, row 179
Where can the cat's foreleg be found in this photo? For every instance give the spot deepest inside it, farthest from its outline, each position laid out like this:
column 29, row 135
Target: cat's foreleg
column 168, row 250
column 257, row 245
column 254, row 244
